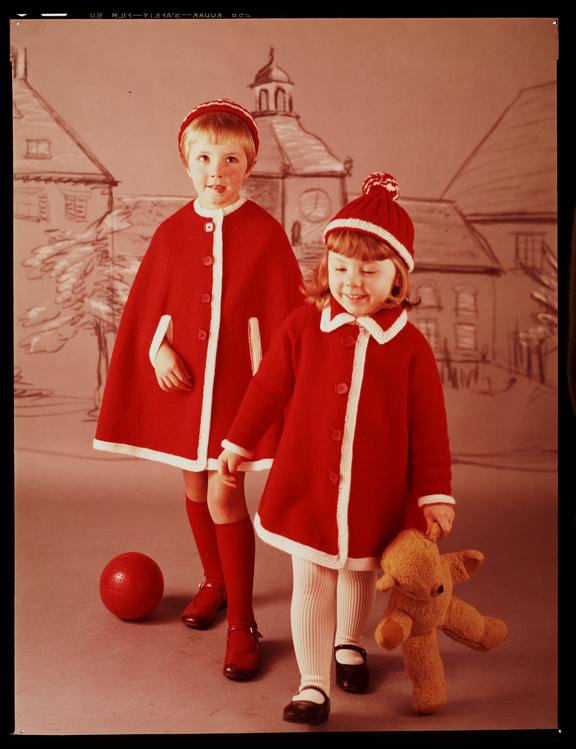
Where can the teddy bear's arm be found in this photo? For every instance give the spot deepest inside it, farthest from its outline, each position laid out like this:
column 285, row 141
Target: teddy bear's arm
column 463, row 563
column 393, row 630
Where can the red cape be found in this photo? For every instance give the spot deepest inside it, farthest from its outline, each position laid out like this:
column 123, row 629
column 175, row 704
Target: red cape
column 225, row 279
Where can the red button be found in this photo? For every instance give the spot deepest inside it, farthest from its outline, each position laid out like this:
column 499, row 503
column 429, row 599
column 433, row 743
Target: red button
column 202, row 335
column 208, row 260
column 209, row 226
column 337, row 435
column 341, row 388
column 348, row 341
column 206, row 298
column 334, row 477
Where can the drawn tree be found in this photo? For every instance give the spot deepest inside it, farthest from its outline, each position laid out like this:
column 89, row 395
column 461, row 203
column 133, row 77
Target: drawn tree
column 91, row 288
column 541, row 339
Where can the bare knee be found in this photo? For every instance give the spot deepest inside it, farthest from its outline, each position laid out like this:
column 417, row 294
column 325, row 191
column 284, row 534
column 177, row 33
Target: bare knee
column 226, row 504
column 196, row 485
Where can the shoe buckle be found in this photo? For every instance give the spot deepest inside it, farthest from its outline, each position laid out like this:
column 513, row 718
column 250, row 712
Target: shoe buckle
column 254, row 632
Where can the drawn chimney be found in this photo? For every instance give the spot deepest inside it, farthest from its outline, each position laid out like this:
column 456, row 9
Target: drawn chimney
column 19, row 64
column 272, row 90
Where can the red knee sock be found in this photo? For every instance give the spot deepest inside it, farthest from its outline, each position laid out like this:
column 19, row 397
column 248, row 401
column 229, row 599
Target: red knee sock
column 237, row 551
column 204, row 532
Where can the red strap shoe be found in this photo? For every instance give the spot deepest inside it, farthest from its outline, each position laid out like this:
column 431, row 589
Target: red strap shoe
column 242, row 659
column 202, row 610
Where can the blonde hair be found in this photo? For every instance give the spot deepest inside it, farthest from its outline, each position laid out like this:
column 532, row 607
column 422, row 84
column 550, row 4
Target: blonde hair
column 218, row 128
column 359, row 246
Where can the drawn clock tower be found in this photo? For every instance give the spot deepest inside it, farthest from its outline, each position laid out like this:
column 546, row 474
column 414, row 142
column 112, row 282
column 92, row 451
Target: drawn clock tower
column 296, row 178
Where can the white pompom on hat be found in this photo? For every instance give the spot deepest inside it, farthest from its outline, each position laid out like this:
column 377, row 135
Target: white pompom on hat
column 377, row 213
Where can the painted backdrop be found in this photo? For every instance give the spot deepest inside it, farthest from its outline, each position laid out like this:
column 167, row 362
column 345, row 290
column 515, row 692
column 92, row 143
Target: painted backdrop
column 461, row 111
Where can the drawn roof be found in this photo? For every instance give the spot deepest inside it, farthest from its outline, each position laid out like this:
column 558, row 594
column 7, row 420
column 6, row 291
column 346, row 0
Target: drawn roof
column 445, row 240
column 69, row 160
column 512, row 171
column 286, row 148
column 271, row 72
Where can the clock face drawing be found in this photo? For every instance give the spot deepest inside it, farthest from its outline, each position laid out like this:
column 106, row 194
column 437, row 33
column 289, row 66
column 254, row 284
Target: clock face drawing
column 315, row 205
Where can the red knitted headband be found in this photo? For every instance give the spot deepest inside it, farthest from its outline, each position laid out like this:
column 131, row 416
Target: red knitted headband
column 222, row 105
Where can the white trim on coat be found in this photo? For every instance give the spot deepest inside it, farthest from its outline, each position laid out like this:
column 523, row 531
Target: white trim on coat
column 368, row 226
column 215, row 313
column 236, row 449
column 211, row 464
column 313, row 555
column 254, row 343
column 163, row 326
column 349, row 432
column 380, row 335
column 213, row 212
column 436, row 499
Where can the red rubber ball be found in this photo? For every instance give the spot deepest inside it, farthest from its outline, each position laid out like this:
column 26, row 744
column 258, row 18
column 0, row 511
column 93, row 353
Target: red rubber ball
column 131, row 585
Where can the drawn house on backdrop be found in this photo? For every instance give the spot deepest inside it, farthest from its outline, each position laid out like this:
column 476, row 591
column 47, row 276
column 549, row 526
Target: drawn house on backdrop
column 296, row 178
column 507, row 190
column 464, row 285
column 455, row 278
column 59, row 182
column 60, row 189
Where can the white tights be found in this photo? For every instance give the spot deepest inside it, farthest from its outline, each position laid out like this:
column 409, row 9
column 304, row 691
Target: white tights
column 329, row 607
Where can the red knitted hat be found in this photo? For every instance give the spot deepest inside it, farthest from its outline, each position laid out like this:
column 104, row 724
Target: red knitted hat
column 377, row 213
column 222, row 105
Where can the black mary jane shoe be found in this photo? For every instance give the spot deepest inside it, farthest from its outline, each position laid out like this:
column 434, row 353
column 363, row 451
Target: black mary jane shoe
column 305, row 711
column 352, row 678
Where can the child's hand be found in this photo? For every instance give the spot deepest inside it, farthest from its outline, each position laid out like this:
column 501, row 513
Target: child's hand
column 171, row 372
column 442, row 514
column 228, row 463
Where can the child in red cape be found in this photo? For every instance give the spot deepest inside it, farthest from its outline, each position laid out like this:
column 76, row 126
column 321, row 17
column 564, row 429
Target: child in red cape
column 217, row 280
column 364, row 449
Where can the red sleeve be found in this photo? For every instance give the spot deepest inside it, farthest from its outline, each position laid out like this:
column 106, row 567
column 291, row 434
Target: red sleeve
column 283, row 281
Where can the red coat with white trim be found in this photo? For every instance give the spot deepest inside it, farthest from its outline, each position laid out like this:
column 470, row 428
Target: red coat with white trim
column 365, row 440
column 223, row 281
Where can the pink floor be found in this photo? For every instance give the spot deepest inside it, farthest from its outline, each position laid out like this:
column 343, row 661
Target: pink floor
column 79, row 670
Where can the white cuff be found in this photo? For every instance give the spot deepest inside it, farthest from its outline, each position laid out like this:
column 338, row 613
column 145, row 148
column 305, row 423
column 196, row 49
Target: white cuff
column 236, row 449
column 163, row 326
column 436, row 499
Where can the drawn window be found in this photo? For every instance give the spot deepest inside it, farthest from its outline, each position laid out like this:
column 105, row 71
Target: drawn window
column 466, row 299
column 466, row 337
column 31, row 205
column 280, row 99
column 75, row 207
column 263, row 104
column 38, row 149
column 429, row 295
column 530, row 251
column 430, row 329
column 296, row 233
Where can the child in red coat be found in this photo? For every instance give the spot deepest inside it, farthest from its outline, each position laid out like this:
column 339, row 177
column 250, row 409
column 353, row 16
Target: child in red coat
column 364, row 449
column 217, row 280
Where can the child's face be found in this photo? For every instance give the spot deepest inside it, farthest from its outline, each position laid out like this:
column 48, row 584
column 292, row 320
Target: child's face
column 217, row 171
column 361, row 287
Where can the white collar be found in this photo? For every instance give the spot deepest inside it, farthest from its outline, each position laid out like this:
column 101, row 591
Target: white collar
column 380, row 335
column 214, row 212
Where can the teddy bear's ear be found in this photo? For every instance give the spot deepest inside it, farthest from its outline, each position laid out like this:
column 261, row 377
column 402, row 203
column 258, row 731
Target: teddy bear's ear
column 386, row 582
column 463, row 563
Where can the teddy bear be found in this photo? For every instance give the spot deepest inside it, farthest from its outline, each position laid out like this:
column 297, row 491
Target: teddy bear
column 420, row 581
